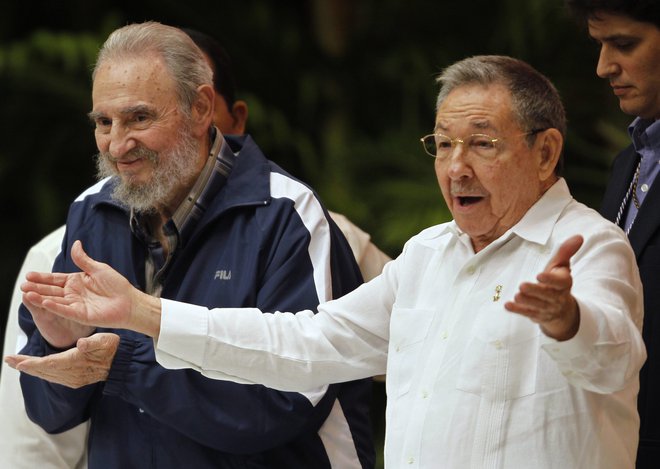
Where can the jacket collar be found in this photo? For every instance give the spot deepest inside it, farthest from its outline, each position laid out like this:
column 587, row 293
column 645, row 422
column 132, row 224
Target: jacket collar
column 249, row 181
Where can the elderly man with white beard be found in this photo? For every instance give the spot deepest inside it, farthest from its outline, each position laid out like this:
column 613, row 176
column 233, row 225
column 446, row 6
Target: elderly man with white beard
column 190, row 215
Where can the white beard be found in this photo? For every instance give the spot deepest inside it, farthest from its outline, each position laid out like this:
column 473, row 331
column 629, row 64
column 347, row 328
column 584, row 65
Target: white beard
column 173, row 170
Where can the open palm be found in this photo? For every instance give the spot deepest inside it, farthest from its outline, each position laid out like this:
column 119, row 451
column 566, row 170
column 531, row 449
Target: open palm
column 97, row 296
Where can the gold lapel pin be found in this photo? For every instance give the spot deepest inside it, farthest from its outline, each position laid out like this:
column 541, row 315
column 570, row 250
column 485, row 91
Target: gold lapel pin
column 498, row 290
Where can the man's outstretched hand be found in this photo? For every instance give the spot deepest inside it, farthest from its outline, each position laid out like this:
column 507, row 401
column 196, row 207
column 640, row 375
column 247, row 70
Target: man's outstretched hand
column 97, row 296
column 549, row 301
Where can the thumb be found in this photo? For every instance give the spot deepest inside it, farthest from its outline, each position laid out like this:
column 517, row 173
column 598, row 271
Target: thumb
column 97, row 341
column 84, row 344
column 82, row 260
column 567, row 250
column 92, row 343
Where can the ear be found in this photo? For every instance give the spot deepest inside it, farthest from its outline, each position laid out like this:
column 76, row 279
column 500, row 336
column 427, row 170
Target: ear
column 202, row 110
column 239, row 113
column 548, row 147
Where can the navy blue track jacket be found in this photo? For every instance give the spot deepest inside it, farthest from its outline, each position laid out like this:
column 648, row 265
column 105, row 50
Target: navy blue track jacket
column 253, row 247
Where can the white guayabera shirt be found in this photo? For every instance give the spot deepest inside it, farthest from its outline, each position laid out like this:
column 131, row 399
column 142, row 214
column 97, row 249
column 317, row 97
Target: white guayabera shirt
column 469, row 384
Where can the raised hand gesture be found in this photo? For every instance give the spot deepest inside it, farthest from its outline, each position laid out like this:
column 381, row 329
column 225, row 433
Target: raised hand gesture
column 549, row 301
column 97, row 296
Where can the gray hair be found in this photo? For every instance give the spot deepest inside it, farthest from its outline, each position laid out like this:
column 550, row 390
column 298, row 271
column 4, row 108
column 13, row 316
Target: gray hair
column 536, row 104
column 182, row 58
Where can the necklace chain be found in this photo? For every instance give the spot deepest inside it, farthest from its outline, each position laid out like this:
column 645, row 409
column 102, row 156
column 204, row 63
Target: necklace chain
column 632, row 190
column 634, row 187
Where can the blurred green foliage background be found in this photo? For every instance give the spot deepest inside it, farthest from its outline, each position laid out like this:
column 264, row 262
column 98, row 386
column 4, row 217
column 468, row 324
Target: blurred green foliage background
column 339, row 93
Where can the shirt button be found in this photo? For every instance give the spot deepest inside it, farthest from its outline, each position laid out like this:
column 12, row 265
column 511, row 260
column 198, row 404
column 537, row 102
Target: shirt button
column 425, row 394
column 411, row 460
column 141, row 411
column 645, row 187
column 497, row 344
column 398, row 349
column 443, row 336
column 471, row 270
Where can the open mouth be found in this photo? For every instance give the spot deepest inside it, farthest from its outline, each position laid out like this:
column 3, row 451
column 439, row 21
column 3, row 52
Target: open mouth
column 468, row 200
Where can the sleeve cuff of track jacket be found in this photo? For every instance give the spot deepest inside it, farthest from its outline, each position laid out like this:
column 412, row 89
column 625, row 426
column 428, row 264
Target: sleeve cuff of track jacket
column 183, row 334
column 117, row 376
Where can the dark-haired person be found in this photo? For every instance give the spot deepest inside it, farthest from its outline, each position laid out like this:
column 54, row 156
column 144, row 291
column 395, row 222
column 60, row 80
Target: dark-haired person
column 231, row 113
column 628, row 34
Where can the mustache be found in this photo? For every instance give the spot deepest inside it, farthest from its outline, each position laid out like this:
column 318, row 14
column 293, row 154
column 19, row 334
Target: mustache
column 137, row 153
column 466, row 189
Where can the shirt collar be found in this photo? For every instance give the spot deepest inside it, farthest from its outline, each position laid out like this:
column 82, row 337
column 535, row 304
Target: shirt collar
column 645, row 133
column 537, row 224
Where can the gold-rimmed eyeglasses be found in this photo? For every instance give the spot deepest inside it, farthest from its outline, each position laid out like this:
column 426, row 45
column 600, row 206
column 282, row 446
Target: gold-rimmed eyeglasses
column 441, row 146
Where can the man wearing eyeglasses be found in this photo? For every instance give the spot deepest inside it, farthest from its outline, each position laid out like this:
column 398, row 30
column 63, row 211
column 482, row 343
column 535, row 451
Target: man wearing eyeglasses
column 510, row 335
column 628, row 35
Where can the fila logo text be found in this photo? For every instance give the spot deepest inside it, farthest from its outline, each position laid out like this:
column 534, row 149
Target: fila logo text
column 222, row 275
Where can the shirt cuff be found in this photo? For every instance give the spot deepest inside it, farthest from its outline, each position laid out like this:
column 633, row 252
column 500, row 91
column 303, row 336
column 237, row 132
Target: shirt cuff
column 183, row 331
column 578, row 346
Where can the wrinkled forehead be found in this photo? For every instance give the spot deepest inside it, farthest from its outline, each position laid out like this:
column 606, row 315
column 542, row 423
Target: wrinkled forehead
column 143, row 79
column 475, row 108
column 148, row 68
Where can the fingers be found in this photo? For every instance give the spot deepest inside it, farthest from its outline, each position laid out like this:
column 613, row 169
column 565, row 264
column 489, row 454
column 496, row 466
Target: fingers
column 548, row 301
column 549, row 283
column 70, row 368
column 61, row 308
column 14, row 360
column 567, row 250
column 42, row 289
column 27, row 364
column 557, row 279
column 58, row 306
column 45, row 278
column 530, row 306
column 49, row 368
column 32, row 300
column 46, row 302
column 546, row 295
column 531, row 300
